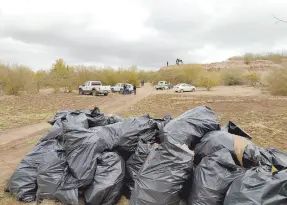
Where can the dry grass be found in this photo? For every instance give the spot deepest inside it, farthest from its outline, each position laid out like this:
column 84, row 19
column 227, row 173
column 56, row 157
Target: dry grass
column 17, row 111
column 264, row 117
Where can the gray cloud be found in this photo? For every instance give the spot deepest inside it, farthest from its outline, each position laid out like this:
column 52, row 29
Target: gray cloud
column 177, row 28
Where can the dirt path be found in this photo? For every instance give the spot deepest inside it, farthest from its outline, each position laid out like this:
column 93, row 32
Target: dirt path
column 122, row 102
column 220, row 91
column 16, row 143
column 115, row 104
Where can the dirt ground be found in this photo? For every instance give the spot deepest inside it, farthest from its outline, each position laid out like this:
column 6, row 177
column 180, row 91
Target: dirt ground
column 220, row 91
column 263, row 116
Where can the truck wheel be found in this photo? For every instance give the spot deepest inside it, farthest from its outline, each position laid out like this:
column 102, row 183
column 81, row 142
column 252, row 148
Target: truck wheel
column 81, row 92
column 193, row 90
column 112, row 90
column 181, row 91
column 106, row 94
column 94, row 93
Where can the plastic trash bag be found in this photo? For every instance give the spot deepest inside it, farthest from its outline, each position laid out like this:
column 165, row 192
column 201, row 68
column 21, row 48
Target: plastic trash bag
column 50, row 175
column 94, row 117
column 279, row 159
column 258, row 187
column 80, row 121
column 190, row 126
column 228, row 137
column 234, row 129
column 212, row 178
column 162, row 176
column 55, row 131
column 135, row 162
column 212, row 142
column 162, row 122
column 276, row 189
column 145, row 128
column 243, row 151
column 167, row 167
column 80, row 118
column 83, row 146
column 106, row 188
column 23, row 182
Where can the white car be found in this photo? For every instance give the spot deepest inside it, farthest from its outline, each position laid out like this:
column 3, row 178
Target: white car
column 119, row 87
column 183, row 87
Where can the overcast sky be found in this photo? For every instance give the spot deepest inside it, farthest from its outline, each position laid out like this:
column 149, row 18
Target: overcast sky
column 146, row 33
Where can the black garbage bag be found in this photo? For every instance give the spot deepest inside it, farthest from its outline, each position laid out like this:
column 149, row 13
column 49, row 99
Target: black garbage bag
column 276, row 189
column 164, row 172
column 258, row 186
column 51, row 173
column 212, row 178
column 243, row 151
column 162, row 122
column 228, row 137
column 23, row 182
column 79, row 120
column 83, row 146
column 190, row 126
column 212, row 142
column 162, row 175
column 106, row 188
column 279, row 159
column 234, row 129
column 94, row 117
column 55, row 132
column 145, row 128
column 135, row 162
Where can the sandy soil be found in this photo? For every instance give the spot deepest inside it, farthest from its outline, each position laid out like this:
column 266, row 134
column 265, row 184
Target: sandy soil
column 220, row 91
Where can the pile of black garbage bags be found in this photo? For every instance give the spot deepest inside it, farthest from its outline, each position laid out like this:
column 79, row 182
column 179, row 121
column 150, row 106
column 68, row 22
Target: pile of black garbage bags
column 187, row 160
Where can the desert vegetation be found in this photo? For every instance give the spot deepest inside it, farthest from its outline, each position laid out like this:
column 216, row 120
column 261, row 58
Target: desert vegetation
column 62, row 77
column 269, row 56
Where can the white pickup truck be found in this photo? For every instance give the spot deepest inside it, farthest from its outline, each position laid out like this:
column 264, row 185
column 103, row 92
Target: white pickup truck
column 94, row 88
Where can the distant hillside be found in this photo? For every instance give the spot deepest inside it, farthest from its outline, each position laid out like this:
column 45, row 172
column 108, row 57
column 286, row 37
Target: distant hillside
column 254, row 63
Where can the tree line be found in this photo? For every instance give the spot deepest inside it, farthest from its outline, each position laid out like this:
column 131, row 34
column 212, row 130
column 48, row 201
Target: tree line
column 62, row 77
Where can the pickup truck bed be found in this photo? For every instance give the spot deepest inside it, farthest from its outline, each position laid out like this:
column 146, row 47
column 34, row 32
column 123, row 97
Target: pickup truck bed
column 94, row 88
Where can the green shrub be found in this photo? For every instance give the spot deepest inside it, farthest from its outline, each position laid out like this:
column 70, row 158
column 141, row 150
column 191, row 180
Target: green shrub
column 252, row 78
column 277, row 82
column 178, row 74
column 16, row 78
column 208, row 80
column 232, row 77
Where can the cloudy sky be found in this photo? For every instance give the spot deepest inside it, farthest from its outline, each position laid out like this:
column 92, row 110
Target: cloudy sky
column 146, row 33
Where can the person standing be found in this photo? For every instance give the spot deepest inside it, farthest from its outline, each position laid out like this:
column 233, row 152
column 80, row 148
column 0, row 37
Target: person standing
column 125, row 89
column 166, row 63
column 135, row 89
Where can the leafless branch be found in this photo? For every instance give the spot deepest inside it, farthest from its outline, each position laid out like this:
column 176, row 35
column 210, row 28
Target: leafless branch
column 279, row 20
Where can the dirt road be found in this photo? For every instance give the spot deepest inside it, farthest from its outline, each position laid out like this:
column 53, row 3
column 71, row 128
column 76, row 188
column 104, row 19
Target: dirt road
column 220, row 91
column 16, row 143
column 115, row 103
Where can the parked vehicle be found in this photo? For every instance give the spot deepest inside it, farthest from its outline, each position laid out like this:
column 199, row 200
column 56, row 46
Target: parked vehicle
column 119, row 87
column 94, row 88
column 163, row 85
column 183, row 87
